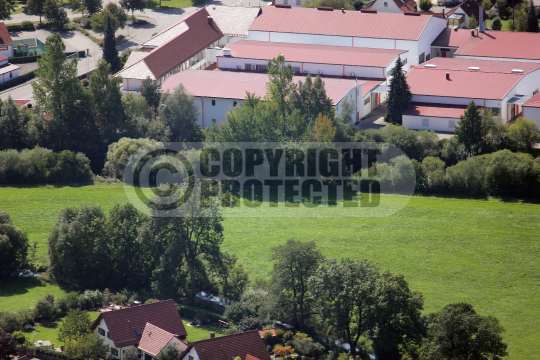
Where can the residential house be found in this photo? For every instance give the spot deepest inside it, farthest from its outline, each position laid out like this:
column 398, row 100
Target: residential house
column 216, row 92
column 295, row 3
column 191, row 43
column 155, row 340
column 6, row 43
column 459, row 16
column 123, row 329
column 531, row 109
column 247, row 346
column 7, row 71
column 443, row 87
column 391, row 6
column 412, row 32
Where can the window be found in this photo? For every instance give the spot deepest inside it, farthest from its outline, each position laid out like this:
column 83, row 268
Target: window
column 109, row 335
column 234, row 104
column 248, row 67
column 452, row 124
column 114, row 351
column 385, row 4
column 10, row 75
column 421, row 58
column 404, row 61
column 213, row 121
column 213, row 102
column 367, row 100
column 101, row 331
column 191, row 357
column 428, row 56
column 296, row 69
column 138, row 332
column 425, row 122
column 495, row 111
column 445, row 49
column 298, row 2
column 262, row 68
column 286, row 2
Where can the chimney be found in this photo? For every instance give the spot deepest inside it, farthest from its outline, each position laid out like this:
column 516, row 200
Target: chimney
column 343, row 10
column 472, row 32
column 226, row 52
column 212, row 334
column 210, row 20
column 481, row 18
column 447, row 76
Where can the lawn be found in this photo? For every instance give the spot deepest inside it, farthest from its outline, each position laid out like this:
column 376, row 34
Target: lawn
column 481, row 251
column 50, row 332
column 24, row 293
column 196, row 333
column 169, row 4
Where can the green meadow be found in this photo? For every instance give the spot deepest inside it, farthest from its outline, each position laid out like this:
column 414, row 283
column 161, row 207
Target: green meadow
column 483, row 251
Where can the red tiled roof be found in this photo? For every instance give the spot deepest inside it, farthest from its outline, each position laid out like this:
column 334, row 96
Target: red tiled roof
column 261, row 332
column 493, row 80
column 435, row 110
column 534, row 101
column 319, row 54
column 22, row 102
column 452, row 38
column 251, row 357
column 469, row 7
column 502, row 44
column 340, row 23
column 406, row 5
column 176, row 51
column 123, row 323
column 5, row 38
column 234, row 85
column 230, row 346
column 2, row 58
column 154, row 339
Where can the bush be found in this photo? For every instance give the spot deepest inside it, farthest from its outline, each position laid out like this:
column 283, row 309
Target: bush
column 28, row 25
column 24, row 26
column 288, row 336
column 43, row 166
column 433, row 171
column 284, row 351
column 19, row 337
column 43, row 310
column 119, row 153
column 91, row 300
column 496, row 24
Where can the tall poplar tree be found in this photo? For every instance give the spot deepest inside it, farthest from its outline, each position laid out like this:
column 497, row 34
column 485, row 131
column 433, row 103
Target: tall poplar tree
column 110, row 52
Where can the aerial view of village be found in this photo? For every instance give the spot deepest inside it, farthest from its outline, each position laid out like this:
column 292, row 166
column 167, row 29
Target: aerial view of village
column 269, row 179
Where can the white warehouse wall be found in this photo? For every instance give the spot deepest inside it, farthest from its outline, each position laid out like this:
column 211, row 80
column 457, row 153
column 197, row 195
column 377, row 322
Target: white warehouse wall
column 434, row 123
column 390, row 7
column 532, row 113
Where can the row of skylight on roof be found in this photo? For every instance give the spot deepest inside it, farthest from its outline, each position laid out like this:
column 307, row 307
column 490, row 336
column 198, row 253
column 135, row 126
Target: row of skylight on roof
column 475, row 68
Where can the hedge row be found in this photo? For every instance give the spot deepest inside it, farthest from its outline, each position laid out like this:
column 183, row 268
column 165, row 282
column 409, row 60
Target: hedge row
column 18, row 80
column 33, row 58
column 51, row 353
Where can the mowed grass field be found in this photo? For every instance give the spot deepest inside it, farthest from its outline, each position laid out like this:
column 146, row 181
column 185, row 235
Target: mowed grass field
column 485, row 252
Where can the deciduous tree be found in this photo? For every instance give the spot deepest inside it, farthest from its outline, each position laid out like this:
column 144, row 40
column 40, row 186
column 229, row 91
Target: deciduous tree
column 323, row 131
column 36, row 7
column 470, row 131
column 74, row 326
column 8, row 346
column 179, row 113
column 88, row 347
column 13, row 247
column 311, row 99
column 523, row 135
column 6, row 7
column 55, row 14
column 112, row 12
column 132, row 5
column 13, row 126
column 150, row 91
column 280, row 87
column 473, row 23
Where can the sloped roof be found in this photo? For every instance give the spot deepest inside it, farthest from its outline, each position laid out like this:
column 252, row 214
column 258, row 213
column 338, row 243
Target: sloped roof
column 5, row 38
column 122, row 324
column 404, row 5
column 469, row 7
column 233, row 20
column 167, row 35
column 534, row 101
column 318, row 54
column 234, row 85
column 228, row 347
column 435, row 110
column 493, row 80
column 8, row 68
column 452, row 38
column 154, row 339
column 502, row 44
column 2, row 58
column 175, row 50
column 135, row 57
column 340, row 23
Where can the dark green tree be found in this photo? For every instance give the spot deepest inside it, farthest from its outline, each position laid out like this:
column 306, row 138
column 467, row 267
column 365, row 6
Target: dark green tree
column 93, row 6
column 473, row 22
column 425, row 5
column 397, row 323
column 132, row 5
column 36, row 7
column 169, row 354
column 294, row 263
column 88, row 347
column 6, row 7
column 343, row 291
column 470, row 130
column 179, row 113
column 496, row 24
column 399, row 95
column 13, row 127
column 311, row 99
column 112, row 12
column 55, row 14
column 8, row 346
column 13, row 247
column 532, row 20
column 74, row 326
column 150, row 91
column 110, row 52
column 458, row 332
column 78, row 251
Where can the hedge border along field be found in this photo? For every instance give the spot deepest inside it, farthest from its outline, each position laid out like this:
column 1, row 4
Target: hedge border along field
column 481, row 251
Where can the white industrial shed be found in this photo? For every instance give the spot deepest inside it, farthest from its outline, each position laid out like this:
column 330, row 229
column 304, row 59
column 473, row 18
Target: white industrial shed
column 501, row 86
column 531, row 109
column 413, row 32
column 217, row 92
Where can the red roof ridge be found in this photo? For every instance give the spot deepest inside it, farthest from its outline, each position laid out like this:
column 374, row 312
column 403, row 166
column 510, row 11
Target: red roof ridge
column 533, row 101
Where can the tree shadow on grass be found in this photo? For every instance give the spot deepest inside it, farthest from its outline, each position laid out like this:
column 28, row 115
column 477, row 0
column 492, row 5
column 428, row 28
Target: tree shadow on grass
column 47, row 186
column 22, row 286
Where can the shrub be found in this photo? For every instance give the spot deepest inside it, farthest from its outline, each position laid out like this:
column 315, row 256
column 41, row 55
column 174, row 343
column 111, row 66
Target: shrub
column 496, row 24
column 433, row 170
column 280, row 333
column 90, row 300
column 284, row 351
column 19, row 337
column 523, row 135
column 28, row 25
column 288, row 336
column 119, row 153
column 510, row 174
column 43, row 310
column 467, row 177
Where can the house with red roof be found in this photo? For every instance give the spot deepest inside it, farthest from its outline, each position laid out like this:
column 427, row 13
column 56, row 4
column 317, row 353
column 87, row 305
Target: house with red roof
column 6, row 43
column 7, row 71
column 155, row 340
column 391, row 6
column 191, row 43
column 443, row 87
column 247, row 346
column 459, row 16
column 123, row 329
column 216, row 92
column 412, row 32
column 531, row 109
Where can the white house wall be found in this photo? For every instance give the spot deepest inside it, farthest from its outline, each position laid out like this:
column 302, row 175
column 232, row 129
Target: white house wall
column 5, row 77
column 109, row 342
column 6, row 52
column 532, row 113
column 434, row 123
column 390, row 7
column 218, row 112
